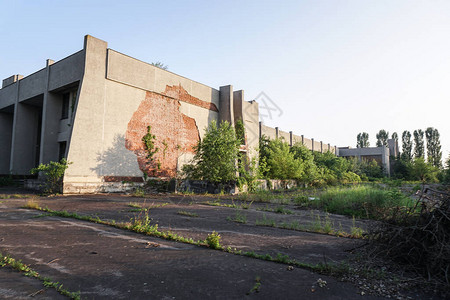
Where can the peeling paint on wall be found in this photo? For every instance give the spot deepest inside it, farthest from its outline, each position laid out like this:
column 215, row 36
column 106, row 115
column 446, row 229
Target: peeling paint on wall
column 175, row 133
column 178, row 92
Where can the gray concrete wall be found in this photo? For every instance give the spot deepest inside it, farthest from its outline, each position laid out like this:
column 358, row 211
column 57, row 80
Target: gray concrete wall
column 269, row 132
column 33, row 85
column 66, row 71
column 8, row 95
column 226, row 104
column 284, row 135
column 25, row 135
column 6, row 125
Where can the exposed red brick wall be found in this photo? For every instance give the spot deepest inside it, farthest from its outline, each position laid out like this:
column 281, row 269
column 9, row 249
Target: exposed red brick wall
column 169, row 125
column 178, row 92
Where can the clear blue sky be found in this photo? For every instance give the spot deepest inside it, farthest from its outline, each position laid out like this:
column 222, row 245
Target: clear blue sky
column 334, row 68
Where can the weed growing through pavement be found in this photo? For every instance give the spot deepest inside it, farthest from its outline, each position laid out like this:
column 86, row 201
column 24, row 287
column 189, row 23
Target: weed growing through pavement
column 187, row 213
column 8, row 261
column 32, row 204
column 213, row 240
column 256, row 287
column 265, row 222
column 239, row 217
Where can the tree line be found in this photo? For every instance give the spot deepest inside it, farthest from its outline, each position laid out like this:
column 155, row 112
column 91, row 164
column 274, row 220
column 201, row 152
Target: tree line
column 413, row 145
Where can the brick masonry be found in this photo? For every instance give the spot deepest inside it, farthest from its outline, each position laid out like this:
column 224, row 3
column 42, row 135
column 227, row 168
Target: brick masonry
column 175, row 133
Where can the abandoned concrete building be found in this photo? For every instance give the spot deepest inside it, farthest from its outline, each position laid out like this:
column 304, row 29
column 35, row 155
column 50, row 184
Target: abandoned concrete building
column 380, row 154
column 93, row 108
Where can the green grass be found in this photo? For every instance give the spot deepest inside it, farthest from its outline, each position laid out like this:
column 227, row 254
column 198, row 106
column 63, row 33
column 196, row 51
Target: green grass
column 7, row 261
column 187, row 213
column 239, row 217
column 360, row 201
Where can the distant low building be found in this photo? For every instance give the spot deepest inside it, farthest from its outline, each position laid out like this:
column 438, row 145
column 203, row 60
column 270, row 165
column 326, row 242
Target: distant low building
column 381, row 155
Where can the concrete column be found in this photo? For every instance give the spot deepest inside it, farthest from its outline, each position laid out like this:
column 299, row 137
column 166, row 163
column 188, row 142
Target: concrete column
column 291, row 139
column 238, row 99
column 312, row 144
column 6, row 125
column 260, row 129
column 303, row 140
column 321, row 147
column 276, row 132
column 329, row 148
column 51, row 114
column 25, row 135
column 226, row 104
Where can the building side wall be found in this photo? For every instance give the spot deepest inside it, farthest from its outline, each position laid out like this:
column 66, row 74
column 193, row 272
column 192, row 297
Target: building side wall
column 6, row 125
column 114, row 110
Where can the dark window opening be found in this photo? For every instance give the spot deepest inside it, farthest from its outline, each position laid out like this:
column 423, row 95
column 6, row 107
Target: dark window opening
column 62, row 150
column 65, row 106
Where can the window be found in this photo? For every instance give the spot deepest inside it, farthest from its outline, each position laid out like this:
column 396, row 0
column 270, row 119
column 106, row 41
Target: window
column 65, row 106
column 62, row 150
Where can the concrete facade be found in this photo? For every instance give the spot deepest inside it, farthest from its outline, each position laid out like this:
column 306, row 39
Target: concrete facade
column 292, row 139
column 380, row 154
column 93, row 108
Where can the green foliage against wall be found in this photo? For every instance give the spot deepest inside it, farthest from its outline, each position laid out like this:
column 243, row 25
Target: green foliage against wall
column 216, row 155
column 52, row 174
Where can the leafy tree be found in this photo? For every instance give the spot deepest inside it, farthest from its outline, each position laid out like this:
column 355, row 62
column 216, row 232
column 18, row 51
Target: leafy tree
column 434, row 152
column 160, row 65
column 306, row 157
column 406, row 146
column 281, row 162
column 382, row 137
column 394, row 136
column 419, row 148
column 362, row 140
column 420, row 170
column 216, row 155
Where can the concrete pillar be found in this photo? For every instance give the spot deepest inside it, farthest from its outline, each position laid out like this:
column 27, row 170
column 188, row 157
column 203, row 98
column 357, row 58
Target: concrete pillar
column 276, row 132
column 303, row 140
column 51, row 115
column 26, row 132
column 238, row 99
column 260, row 130
column 226, row 104
column 6, row 125
column 291, row 139
column 321, row 147
column 312, row 144
column 329, row 147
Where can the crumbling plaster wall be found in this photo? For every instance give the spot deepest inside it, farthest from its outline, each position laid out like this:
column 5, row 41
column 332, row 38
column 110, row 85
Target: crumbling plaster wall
column 119, row 97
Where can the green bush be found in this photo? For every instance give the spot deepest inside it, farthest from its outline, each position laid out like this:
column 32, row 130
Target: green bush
column 52, row 175
column 215, row 156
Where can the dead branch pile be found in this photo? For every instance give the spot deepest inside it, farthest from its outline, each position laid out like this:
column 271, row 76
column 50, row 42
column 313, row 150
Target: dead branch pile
column 418, row 237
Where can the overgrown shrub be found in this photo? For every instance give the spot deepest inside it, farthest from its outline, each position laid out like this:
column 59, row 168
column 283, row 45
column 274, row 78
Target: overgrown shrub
column 52, row 175
column 418, row 237
column 363, row 201
column 215, row 156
